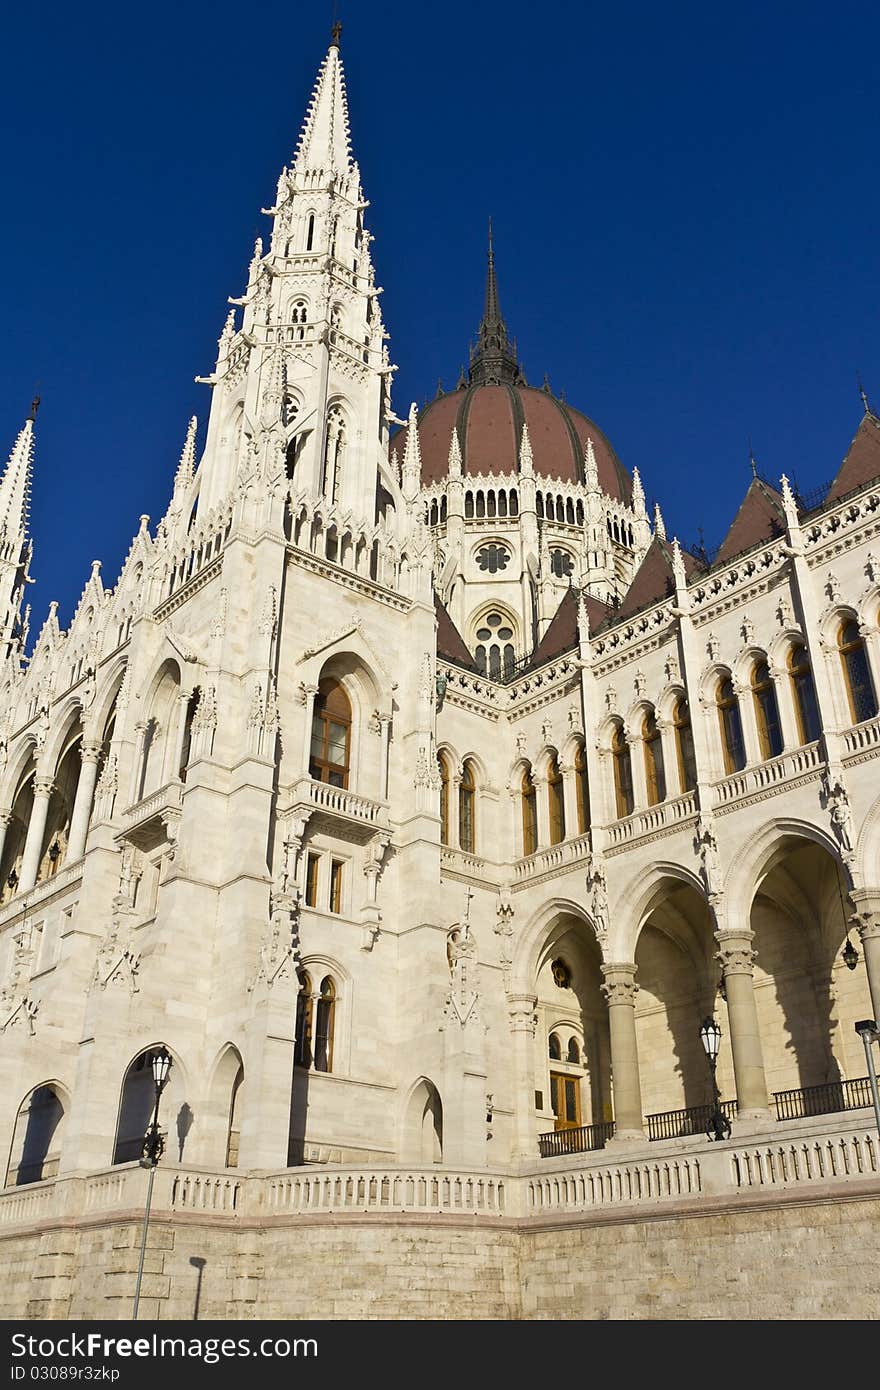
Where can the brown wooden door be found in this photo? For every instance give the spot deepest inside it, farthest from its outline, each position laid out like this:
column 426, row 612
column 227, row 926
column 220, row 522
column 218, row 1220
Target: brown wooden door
column 565, row 1098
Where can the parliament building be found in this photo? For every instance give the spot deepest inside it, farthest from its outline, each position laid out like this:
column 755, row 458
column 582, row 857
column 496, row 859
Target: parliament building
column 424, row 799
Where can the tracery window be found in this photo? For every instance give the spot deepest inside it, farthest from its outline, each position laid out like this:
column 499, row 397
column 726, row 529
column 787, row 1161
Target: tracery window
column 556, row 799
column 529, row 797
column 684, row 745
column 495, row 655
column 730, row 724
column 334, row 454
column 623, row 783
column 324, row 1011
column 804, row 693
column 331, row 735
column 766, row 711
column 655, row 772
column 856, row 674
column 493, row 558
column 561, row 564
column 467, row 792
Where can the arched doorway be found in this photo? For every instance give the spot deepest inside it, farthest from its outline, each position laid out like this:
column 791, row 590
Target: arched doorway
column 573, row 1086
column 423, row 1125
column 36, row 1141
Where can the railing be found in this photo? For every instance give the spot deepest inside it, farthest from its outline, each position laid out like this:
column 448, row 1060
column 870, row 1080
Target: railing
column 834, row 1156
column 614, row 1185
column 165, row 799
column 584, row 1139
column 826, row 1099
column 679, row 1124
column 338, row 801
column 555, row 857
column 382, row 1190
column 775, row 772
column 665, row 813
column 862, row 737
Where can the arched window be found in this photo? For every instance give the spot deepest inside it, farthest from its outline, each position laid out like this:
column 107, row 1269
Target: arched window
column 186, row 747
column 310, row 231
column 299, row 317
column 766, row 711
column 730, row 724
column 334, row 454
column 302, row 1049
column 554, row 1048
column 574, row 1052
column 36, row 1140
column 467, row 792
column 331, row 735
column 623, row 784
column 655, row 772
column 324, row 1011
column 804, row 693
column 856, row 675
column 582, row 791
column 444, row 799
column 529, row 813
column 556, row 798
column 684, row 745
column 495, row 654
column 561, row 564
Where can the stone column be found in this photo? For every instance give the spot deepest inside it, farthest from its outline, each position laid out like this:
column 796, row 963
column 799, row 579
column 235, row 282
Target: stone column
column 543, row 809
column 5, row 822
column 137, row 769
column 671, row 770
column 636, row 745
column 569, row 796
column 385, row 732
column 785, row 701
column 33, row 845
column 310, row 693
column 737, row 963
column 620, row 989
column 172, row 773
column 453, row 805
column 749, row 721
column 867, row 919
column 82, row 805
column 521, row 1009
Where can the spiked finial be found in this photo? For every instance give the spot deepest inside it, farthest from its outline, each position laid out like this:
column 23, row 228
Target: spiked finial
column 752, row 460
column 788, row 501
column 583, row 621
column 591, row 469
column 15, row 485
column 659, row 524
column 864, row 395
column 526, row 457
column 227, row 334
column 35, row 405
column 638, row 494
column 454, row 455
column 187, row 466
column 493, row 360
column 412, row 455
column 325, row 141
column 678, row 565
column 335, row 33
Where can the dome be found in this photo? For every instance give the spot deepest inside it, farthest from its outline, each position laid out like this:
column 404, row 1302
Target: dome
column 489, row 419
column 488, row 412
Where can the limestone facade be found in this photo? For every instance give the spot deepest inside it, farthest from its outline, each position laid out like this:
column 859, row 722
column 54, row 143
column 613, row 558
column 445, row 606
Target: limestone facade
column 425, row 808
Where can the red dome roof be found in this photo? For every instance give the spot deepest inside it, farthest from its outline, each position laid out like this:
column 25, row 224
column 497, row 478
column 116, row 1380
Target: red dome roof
column 489, row 420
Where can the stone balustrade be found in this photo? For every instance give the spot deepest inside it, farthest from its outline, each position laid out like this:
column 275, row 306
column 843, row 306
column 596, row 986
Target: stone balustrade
column 775, row 773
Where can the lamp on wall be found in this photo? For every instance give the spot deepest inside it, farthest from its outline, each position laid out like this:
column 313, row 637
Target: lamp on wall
column 710, row 1036
column 154, row 1147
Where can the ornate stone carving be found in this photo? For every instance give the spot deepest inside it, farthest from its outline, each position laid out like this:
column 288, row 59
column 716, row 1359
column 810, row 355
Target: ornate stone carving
column 619, row 983
column 837, row 804
column 706, row 846
column 462, row 1001
column 280, row 956
column 597, row 892
column 522, row 1013
column 735, row 954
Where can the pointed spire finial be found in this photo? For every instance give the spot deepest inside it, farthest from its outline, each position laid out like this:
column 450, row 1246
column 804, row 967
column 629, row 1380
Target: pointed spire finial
column 336, row 33
column 412, row 456
column 324, row 144
column 454, row 455
column 752, row 459
column 526, row 457
column 864, row 395
column 186, row 467
column 659, row 524
column 35, row 405
column 591, row 468
column 638, row 495
column 678, row 564
column 493, row 360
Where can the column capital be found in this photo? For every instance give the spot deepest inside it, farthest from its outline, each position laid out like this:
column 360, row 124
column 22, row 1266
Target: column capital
column 735, row 954
column 6, row 816
column 522, row 1012
column 44, row 786
column 90, row 752
column 619, row 982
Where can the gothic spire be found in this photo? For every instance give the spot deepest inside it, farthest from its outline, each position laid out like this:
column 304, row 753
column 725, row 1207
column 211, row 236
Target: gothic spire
column 15, row 486
column 493, row 360
column 325, row 140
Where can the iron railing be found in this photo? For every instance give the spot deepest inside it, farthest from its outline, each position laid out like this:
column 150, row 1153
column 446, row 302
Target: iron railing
column 679, row 1124
column 575, row 1141
column 831, row 1096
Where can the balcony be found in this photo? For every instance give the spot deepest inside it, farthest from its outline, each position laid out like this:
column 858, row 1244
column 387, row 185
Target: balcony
column 550, row 860
column 789, row 769
column 338, row 807
column 665, row 816
column 584, row 1139
column 145, row 823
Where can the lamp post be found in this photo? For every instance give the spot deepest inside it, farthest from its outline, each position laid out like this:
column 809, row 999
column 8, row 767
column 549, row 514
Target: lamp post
column 154, row 1147
column 869, row 1033
column 710, row 1037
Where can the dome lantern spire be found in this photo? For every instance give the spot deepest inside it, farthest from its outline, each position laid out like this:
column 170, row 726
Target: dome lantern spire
column 493, row 360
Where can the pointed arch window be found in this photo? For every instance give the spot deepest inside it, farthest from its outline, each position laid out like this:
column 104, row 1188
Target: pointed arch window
column 554, row 1048
column 495, row 653
column 310, row 232
column 684, row 745
column 655, row 771
column 444, row 799
column 623, row 782
column 856, row 674
column 331, row 735
column 334, row 454
column 529, row 797
column 766, row 711
column 730, row 725
column 806, row 709
column 556, row 798
column 582, row 791
column 302, row 1048
column 324, row 1011
column 467, row 792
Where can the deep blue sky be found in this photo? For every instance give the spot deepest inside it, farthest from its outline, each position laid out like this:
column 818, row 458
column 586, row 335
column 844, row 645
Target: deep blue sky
column 685, row 201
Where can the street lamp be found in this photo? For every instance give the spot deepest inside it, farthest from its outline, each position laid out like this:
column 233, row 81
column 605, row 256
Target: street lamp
column 869, row 1033
column 710, row 1036
column 154, row 1147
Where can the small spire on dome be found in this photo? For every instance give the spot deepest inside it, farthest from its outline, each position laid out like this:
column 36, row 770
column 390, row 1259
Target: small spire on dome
column 526, row 457
column 412, row 456
column 659, row 524
column 678, row 565
column 591, row 470
column 454, row 455
column 638, row 494
column 752, row 459
column 493, row 360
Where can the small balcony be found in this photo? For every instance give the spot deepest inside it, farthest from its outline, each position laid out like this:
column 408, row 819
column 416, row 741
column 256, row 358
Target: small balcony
column 584, row 1139
column 339, row 807
column 145, row 823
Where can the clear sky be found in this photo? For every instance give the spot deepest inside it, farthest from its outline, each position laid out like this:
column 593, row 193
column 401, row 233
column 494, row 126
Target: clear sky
column 685, row 201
